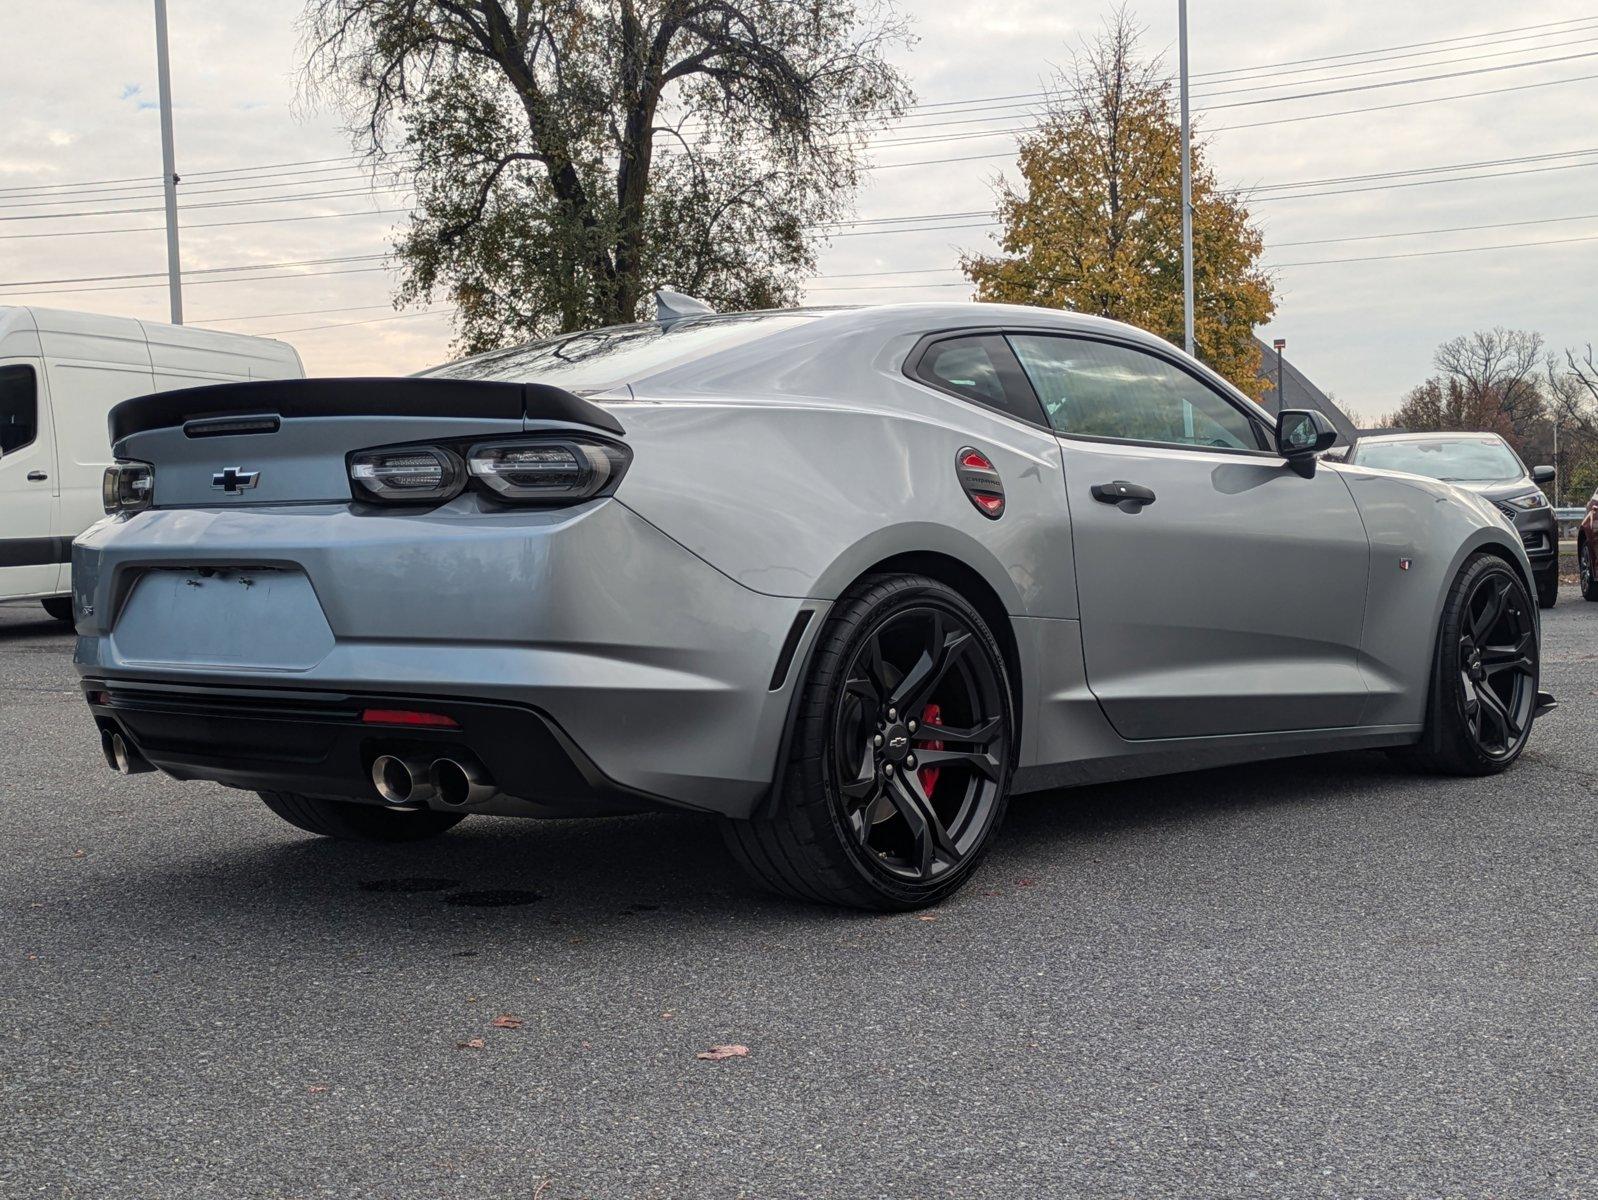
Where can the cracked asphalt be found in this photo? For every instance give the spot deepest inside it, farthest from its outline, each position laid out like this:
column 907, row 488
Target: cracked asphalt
column 1317, row 978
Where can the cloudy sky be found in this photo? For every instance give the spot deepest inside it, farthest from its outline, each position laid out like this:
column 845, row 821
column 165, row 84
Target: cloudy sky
column 1370, row 277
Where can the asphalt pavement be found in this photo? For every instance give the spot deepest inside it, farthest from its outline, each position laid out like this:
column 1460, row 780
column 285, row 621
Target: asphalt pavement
column 1318, row 978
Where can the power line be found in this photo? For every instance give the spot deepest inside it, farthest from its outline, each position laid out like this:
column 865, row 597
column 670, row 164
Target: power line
column 135, row 287
column 186, row 225
column 1322, row 262
column 304, row 262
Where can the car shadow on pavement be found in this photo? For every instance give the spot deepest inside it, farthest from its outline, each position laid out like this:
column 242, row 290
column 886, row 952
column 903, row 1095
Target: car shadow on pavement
column 602, row 877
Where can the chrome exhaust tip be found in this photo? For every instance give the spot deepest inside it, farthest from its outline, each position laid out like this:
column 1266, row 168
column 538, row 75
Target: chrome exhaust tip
column 461, row 782
column 401, row 780
column 121, row 757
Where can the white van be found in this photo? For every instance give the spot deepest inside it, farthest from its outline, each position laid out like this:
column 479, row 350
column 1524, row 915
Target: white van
column 60, row 375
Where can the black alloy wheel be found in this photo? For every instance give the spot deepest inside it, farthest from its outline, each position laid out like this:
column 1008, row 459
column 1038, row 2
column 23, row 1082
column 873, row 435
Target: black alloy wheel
column 898, row 770
column 919, row 744
column 1589, row 588
column 1497, row 665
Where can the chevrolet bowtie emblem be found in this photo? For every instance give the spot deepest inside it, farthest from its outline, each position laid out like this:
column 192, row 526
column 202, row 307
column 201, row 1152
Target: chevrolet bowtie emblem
column 233, row 481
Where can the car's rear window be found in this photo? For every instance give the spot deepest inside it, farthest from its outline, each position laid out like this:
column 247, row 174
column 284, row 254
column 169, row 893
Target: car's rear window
column 588, row 362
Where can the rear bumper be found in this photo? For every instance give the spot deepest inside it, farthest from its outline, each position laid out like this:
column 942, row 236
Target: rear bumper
column 586, row 624
column 317, row 743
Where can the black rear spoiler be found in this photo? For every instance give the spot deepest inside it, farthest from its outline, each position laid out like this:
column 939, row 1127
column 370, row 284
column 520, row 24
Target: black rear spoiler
column 399, row 396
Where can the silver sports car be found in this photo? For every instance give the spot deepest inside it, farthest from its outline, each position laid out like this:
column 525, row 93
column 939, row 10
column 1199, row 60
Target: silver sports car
column 848, row 578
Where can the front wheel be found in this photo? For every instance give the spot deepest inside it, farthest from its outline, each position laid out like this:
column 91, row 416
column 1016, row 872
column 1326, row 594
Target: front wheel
column 1589, row 585
column 351, row 821
column 1484, row 674
column 1548, row 587
column 899, row 771
column 59, row 607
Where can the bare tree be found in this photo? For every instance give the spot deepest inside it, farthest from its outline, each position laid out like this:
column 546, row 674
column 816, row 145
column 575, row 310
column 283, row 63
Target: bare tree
column 1501, row 364
column 568, row 155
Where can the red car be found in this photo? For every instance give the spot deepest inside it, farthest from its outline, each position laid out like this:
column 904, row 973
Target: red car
column 1587, row 548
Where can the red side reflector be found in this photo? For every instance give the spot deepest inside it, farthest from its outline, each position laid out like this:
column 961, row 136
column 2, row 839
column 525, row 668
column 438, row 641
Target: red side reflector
column 975, row 461
column 988, row 502
column 405, row 716
column 101, row 698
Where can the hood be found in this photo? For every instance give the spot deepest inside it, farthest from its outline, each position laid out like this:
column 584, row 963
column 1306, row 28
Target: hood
column 1499, row 489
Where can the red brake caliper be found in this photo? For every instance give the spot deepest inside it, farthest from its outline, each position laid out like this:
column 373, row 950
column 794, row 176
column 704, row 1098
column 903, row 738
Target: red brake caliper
column 930, row 715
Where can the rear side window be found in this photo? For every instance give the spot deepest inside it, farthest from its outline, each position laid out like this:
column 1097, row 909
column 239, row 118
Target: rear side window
column 19, row 408
column 979, row 367
column 1096, row 389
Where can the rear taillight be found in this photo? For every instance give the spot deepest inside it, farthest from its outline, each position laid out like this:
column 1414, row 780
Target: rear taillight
column 127, row 487
column 540, row 471
column 408, row 474
column 528, row 470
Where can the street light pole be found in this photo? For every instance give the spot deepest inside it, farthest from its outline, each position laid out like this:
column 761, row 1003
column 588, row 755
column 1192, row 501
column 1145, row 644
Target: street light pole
column 1280, row 344
column 1187, row 186
column 169, row 180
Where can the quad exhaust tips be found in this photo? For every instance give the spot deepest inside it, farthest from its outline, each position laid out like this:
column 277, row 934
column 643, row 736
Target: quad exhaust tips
column 454, row 781
column 121, row 757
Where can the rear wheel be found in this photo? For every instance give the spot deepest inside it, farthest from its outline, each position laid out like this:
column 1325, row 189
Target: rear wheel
column 1589, row 586
column 1484, row 678
column 899, row 768
column 350, row 821
column 59, row 607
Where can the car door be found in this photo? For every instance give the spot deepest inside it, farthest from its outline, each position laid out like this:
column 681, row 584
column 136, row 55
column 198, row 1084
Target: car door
column 1220, row 591
column 30, row 554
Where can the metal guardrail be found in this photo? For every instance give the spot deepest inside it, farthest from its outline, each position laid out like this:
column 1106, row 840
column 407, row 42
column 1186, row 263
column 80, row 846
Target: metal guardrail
column 1570, row 514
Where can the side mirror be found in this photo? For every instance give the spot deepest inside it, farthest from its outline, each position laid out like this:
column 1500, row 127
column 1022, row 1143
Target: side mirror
column 1542, row 474
column 1301, row 434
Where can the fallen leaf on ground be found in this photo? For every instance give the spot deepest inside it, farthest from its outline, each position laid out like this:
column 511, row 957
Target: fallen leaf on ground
column 717, row 1053
column 926, row 916
column 506, row 1021
column 316, row 1087
column 666, row 1016
column 471, row 1044
column 1025, row 882
column 80, row 854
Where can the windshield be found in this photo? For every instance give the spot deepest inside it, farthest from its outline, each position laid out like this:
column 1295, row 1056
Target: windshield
column 1465, row 460
column 602, row 358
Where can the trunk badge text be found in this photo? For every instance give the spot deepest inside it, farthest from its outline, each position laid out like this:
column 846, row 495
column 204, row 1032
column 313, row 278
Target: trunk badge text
column 234, row 481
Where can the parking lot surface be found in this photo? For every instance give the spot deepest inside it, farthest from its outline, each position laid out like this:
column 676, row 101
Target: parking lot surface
column 1322, row 977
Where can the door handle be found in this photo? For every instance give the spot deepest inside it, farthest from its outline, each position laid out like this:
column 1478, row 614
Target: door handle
column 1122, row 492
column 37, row 477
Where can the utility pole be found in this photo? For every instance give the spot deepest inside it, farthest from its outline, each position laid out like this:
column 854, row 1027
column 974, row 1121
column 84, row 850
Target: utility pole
column 1280, row 344
column 163, row 69
column 1187, row 187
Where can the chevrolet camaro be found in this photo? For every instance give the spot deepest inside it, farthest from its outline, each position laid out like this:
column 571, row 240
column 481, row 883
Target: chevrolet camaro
column 846, row 578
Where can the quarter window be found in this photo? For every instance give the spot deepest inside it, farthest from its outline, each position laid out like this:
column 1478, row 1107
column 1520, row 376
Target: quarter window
column 1095, row 389
column 19, row 408
column 980, row 367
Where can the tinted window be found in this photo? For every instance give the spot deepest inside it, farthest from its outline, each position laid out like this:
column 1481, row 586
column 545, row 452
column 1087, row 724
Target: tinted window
column 19, row 408
column 1466, row 460
column 1094, row 389
column 602, row 358
column 979, row 367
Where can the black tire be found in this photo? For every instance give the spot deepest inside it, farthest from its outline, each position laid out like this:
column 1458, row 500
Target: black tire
column 1484, row 674
column 350, row 821
column 1548, row 587
column 893, row 819
column 59, row 607
column 1589, row 584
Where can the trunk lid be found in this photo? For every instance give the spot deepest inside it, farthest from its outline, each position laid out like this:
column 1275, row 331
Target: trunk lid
column 286, row 441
